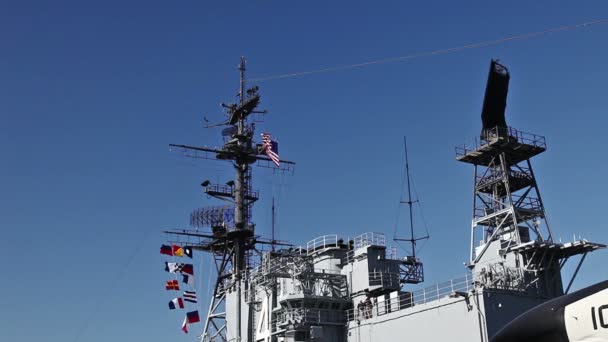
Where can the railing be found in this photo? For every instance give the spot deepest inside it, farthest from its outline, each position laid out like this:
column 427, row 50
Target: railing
column 530, row 203
column 310, row 316
column 412, row 271
column 332, row 240
column 228, row 190
column 321, row 242
column 369, row 239
column 384, row 279
column 491, row 135
column 280, row 266
column 411, row 299
column 390, row 253
column 522, row 137
column 494, row 175
column 519, row 202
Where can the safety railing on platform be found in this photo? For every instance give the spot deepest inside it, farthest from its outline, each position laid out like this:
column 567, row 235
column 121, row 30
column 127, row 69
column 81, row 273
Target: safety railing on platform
column 497, row 133
column 522, row 137
column 409, row 300
column 275, row 267
column 530, row 203
column 384, row 279
column 495, row 175
column 310, row 316
column 369, row 239
column 391, row 253
column 321, row 242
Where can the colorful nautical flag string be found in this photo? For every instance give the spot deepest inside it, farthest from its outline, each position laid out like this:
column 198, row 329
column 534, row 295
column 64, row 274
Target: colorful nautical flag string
column 175, row 250
column 187, row 271
column 271, row 148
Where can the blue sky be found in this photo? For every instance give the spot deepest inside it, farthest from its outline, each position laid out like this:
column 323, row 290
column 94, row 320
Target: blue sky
column 91, row 94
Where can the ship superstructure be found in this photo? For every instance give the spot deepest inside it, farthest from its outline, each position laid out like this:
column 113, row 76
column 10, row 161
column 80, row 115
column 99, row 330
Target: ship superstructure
column 338, row 289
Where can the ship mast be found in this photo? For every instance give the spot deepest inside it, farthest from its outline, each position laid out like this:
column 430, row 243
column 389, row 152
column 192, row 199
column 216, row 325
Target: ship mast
column 414, row 272
column 232, row 238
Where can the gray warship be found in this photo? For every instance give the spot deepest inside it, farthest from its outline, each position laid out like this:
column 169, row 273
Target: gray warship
column 334, row 289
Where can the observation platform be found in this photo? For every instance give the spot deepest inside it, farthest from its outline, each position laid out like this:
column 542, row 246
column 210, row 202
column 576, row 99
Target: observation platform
column 228, row 191
column 332, row 241
column 517, row 146
column 562, row 250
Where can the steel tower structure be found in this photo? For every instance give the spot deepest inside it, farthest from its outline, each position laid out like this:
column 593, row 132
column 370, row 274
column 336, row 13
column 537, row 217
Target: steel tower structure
column 506, row 198
column 232, row 237
column 512, row 244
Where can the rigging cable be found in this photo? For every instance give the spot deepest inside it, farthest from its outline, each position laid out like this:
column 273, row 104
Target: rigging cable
column 106, row 295
column 399, row 209
column 522, row 36
column 424, row 222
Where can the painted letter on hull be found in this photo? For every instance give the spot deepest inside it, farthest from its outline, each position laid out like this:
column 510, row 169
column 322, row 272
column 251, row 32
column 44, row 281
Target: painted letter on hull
column 581, row 316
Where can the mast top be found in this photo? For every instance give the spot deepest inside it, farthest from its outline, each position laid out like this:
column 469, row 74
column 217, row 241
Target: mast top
column 242, row 68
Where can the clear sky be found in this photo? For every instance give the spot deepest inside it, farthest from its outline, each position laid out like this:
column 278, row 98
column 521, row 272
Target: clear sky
column 91, row 94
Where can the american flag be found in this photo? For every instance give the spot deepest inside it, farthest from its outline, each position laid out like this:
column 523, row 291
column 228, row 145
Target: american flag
column 267, row 143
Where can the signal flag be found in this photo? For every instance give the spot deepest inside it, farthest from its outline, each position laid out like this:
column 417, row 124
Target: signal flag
column 188, row 280
column 172, row 285
column 191, row 317
column 176, row 303
column 190, row 296
column 166, row 249
column 185, row 325
column 178, row 251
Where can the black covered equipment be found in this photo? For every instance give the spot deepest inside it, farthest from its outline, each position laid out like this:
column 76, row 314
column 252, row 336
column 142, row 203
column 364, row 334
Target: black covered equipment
column 495, row 99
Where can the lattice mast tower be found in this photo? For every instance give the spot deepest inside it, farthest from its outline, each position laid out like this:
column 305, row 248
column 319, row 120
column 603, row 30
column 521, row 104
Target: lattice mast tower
column 509, row 230
column 506, row 196
column 232, row 236
column 507, row 205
